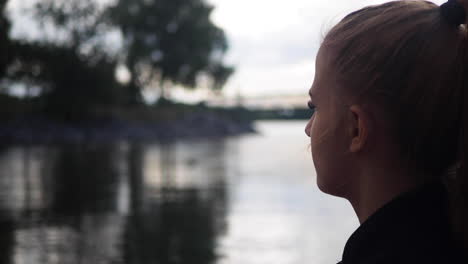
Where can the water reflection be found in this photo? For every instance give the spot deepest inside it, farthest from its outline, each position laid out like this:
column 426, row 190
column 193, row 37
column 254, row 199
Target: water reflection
column 178, row 210
column 249, row 200
column 115, row 203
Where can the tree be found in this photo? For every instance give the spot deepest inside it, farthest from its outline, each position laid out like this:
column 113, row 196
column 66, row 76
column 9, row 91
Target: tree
column 4, row 39
column 163, row 43
column 73, row 71
column 169, row 42
column 71, row 86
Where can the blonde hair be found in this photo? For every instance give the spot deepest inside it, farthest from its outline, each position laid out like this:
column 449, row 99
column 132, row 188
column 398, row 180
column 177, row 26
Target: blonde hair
column 407, row 59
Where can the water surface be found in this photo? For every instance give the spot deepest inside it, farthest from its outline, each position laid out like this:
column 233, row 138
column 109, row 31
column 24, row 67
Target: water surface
column 250, row 199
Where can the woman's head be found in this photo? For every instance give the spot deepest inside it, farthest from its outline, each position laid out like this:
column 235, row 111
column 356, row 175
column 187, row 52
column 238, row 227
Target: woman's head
column 390, row 85
column 405, row 63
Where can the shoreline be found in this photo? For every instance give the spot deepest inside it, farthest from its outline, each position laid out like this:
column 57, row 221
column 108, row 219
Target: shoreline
column 39, row 130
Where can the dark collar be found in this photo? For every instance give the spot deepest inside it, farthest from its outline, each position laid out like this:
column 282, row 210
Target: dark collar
column 411, row 226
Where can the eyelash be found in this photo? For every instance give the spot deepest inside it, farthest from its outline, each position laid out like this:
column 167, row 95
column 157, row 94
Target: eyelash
column 311, row 106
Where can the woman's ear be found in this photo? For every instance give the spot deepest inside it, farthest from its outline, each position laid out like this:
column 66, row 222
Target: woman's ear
column 360, row 127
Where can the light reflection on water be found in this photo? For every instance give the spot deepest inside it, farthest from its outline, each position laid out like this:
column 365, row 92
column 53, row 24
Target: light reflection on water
column 249, row 199
column 277, row 213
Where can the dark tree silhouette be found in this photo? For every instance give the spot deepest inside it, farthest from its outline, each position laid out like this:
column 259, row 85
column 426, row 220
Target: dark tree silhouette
column 4, row 40
column 170, row 42
column 72, row 86
column 74, row 74
column 162, row 43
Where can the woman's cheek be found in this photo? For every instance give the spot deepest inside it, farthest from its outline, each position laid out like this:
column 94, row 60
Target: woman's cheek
column 311, row 124
column 308, row 126
column 314, row 140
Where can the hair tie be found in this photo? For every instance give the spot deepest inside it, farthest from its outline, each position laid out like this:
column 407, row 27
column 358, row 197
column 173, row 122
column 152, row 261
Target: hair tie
column 453, row 12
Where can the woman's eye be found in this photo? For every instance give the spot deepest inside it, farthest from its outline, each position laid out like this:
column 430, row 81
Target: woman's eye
column 311, row 106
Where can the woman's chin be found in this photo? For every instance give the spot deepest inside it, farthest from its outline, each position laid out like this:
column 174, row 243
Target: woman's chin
column 329, row 187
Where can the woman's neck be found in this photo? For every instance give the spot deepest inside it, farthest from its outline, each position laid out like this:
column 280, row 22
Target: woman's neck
column 377, row 187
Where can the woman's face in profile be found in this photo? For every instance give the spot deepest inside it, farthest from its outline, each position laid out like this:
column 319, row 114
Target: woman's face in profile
column 327, row 131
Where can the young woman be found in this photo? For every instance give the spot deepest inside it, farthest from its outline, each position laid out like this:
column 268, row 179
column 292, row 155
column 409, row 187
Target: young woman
column 389, row 130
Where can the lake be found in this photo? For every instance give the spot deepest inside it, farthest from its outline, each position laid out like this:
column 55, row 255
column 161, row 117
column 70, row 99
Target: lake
column 250, row 199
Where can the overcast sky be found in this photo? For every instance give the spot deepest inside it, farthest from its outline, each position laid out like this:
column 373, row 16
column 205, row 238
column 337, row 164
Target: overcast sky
column 273, row 43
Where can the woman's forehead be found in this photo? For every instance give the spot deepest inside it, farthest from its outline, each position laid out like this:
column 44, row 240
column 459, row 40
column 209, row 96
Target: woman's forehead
column 323, row 58
column 322, row 72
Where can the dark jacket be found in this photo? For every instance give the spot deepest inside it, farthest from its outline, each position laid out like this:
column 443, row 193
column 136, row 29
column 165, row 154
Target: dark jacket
column 413, row 228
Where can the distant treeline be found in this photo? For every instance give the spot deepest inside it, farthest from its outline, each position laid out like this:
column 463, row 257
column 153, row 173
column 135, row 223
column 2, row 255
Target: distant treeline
column 281, row 113
column 91, row 56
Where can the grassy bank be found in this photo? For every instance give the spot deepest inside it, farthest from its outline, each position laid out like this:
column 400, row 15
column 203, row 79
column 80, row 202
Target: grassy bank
column 26, row 121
